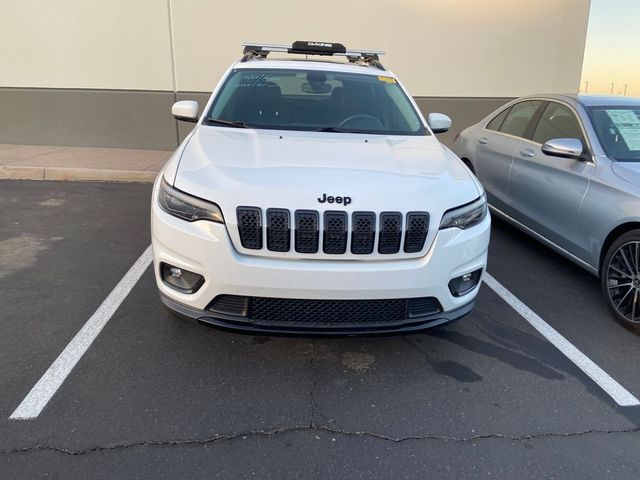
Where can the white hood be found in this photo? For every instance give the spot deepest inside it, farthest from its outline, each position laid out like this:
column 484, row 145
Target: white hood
column 290, row 169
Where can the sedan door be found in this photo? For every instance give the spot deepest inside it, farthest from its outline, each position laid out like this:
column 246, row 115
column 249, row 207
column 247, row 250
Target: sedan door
column 497, row 144
column 547, row 191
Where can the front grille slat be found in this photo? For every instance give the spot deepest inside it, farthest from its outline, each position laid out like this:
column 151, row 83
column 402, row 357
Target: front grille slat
column 390, row 232
column 363, row 233
column 299, row 311
column 250, row 227
column 417, row 229
column 306, row 234
column 278, row 230
column 334, row 239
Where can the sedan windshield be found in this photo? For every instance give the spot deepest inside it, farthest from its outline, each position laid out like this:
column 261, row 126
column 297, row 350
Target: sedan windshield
column 314, row 100
column 618, row 129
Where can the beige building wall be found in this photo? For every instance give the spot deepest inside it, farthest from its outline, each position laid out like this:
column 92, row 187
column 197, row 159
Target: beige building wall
column 63, row 61
column 100, row 44
column 467, row 48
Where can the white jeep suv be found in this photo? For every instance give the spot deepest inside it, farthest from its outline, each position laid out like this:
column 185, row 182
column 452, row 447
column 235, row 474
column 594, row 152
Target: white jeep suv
column 313, row 197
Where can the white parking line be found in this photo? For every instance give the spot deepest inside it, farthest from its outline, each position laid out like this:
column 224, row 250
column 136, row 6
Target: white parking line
column 50, row 382
column 616, row 391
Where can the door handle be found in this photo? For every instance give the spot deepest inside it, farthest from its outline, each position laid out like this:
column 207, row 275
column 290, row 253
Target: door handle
column 527, row 153
column 483, row 141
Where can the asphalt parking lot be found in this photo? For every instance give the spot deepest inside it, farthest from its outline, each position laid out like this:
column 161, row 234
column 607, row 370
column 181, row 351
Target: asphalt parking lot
column 159, row 397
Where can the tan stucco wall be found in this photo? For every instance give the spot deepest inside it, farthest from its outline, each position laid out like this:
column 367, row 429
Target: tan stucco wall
column 439, row 47
column 105, row 44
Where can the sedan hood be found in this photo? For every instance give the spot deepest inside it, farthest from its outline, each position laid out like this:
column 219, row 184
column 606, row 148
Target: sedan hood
column 288, row 169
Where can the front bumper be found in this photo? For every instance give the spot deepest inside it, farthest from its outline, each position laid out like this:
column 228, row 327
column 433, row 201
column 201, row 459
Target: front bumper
column 205, row 248
column 235, row 323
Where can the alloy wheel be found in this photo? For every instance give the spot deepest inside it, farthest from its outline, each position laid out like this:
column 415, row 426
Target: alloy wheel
column 623, row 281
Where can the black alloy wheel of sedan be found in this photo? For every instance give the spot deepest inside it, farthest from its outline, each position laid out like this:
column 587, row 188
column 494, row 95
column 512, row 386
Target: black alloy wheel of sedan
column 621, row 279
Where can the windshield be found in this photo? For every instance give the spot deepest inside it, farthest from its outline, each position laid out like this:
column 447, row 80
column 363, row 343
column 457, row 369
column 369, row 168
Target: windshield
column 316, row 101
column 618, row 129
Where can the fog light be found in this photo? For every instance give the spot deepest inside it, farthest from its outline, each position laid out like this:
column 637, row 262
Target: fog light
column 180, row 279
column 465, row 283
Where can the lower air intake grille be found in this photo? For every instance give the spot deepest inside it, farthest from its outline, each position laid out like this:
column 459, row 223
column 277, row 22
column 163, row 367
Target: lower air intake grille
column 230, row 305
column 306, row 235
column 338, row 312
column 419, row 307
column 250, row 227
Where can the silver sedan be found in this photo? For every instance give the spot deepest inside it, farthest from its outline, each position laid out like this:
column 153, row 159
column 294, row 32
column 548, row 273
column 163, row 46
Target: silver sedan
column 566, row 170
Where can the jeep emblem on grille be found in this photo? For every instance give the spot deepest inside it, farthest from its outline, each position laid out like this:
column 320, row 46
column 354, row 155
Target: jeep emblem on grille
column 329, row 199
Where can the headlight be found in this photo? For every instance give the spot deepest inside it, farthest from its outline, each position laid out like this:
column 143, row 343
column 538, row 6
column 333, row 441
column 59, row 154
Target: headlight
column 465, row 216
column 186, row 207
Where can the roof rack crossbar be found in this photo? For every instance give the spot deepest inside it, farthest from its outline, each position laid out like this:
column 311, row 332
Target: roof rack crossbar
column 261, row 50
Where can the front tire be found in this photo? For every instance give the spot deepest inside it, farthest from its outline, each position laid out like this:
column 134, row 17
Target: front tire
column 620, row 278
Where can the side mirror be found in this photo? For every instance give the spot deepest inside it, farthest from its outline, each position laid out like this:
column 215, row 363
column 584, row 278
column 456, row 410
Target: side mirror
column 563, row 147
column 186, row 110
column 439, row 122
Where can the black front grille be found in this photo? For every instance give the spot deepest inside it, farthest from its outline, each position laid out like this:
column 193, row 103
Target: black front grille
column 390, row 232
column 278, row 232
column 335, row 232
column 417, row 229
column 250, row 227
column 306, row 231
column 329, row 312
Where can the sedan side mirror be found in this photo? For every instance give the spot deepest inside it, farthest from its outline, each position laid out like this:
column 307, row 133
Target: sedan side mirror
column 563, row 147
column 186, row 110
column 438, row 122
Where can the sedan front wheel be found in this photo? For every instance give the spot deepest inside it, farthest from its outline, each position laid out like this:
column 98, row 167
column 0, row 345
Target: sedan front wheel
column 621, row 279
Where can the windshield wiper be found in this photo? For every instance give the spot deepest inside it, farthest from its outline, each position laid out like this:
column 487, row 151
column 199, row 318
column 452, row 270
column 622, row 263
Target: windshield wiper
column 234, row 123
column 332, row 129
column 341, row 130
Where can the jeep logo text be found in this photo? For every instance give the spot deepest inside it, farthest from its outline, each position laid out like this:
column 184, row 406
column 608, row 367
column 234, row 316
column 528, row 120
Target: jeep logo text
column 329, row 199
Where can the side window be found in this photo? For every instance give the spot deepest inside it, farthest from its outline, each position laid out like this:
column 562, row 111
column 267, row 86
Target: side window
column 497, row 120
column 519, row 117
column 557, row 121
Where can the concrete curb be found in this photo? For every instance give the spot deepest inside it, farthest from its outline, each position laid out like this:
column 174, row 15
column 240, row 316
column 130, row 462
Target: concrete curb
column 72, row 174
column 21, row 173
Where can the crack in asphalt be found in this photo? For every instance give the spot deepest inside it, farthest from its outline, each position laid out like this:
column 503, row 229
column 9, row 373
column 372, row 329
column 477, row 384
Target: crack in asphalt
column 302, row 428
column 315, row 408
column 311, row 426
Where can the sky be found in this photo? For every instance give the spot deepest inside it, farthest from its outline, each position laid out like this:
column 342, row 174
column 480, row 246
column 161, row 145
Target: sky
column 612, row 52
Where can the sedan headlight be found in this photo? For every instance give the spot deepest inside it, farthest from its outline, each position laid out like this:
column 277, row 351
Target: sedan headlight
column 186, row 207
column 465, row 216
